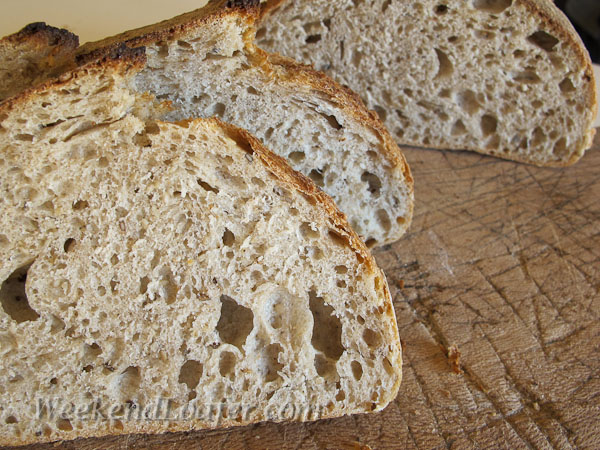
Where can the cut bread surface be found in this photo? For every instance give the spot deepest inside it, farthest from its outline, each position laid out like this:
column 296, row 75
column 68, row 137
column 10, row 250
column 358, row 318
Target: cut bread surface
column 33, row 55
column 149, row 263
column 206, row 64
column 509, row 78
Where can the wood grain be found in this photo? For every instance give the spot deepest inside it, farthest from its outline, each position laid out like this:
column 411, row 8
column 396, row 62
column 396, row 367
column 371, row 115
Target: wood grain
column 502, row 264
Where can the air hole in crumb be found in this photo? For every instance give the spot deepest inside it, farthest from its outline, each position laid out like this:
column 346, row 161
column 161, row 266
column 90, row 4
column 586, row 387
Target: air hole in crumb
column 492, row 6
column 488, row 124
column 11, row 419
column 272, row 364
column 235, row 323
column 313, row 39
column 526, row 77
column 324, row 366
column 228, row 238
column 467, row 100
column 387, row 365
column 381, row 112
column 80, row 204
column 14, row 298
column 296, row 157
column 543, row 40
column 91, row 352
column 69, row 245
column 190, row 374
column 24, row 137
column 384, row 220
column 332, row 121
column 227, row 364
column 338, row 239
column 118, row 424
column 372, row 338
column 218, row 109
column 128, row 382
column 357, row 370
column 64, row 425
column 538, row 137
column 327, row 328
column 458, row 128
column 207, row 187
column 566, row 86
column 258, row 182
column 441, row 9
column 445, row 66
column 370, row 243
column 317, row 177
column 373, row 181
column 307, row 231
column 341, row 269
column 560, row 147
column 252, row 90
column 184, row 45
column 144, row 281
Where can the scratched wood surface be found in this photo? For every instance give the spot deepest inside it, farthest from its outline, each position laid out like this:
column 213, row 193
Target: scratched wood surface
column 498, row 280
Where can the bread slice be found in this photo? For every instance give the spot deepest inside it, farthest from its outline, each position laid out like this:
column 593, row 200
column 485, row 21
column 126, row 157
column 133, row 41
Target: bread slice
column 163, row 276
column 205, row 62
column 508, row 78
column 32, row 55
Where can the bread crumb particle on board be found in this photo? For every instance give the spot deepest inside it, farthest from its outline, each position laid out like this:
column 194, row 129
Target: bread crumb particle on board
column 454, row 359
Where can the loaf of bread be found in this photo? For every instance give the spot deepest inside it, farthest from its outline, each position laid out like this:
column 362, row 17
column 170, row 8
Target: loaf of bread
column 32, row 55
column 206, row 64
column 509, row 78
column 163, row 276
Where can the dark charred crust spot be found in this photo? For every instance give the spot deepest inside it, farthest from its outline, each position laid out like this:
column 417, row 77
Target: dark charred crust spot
column 114, row 53
column 242, row 3
column 51, row 35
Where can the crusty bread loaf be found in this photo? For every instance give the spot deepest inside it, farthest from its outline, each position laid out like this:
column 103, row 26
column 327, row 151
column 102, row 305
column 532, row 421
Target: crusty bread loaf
column 32, row 55
column 508, row 78
column 160, row 276
column 205, row 62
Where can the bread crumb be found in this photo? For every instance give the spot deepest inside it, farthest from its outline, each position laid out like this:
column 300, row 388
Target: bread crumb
column 536, row 406
column 454, row 359
column 401, row 284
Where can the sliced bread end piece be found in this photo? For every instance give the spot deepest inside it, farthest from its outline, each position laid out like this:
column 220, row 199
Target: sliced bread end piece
column 509, row 78
column 148, row 263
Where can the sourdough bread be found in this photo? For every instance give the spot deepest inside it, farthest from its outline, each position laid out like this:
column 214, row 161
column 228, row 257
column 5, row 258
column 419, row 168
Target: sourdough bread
column 509, row 78
column 206, row 64
column 32, row 55
column 163, row 276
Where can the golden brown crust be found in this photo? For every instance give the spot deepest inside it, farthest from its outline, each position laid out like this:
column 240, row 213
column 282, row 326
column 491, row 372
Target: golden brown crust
column 40, row 34
column 178, row 26
column 120, row 59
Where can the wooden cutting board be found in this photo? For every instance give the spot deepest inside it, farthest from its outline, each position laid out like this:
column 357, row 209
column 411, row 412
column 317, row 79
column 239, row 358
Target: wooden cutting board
column 496, row 290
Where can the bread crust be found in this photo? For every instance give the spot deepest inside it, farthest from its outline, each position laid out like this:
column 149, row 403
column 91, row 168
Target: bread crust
column 552, row 18
column 120, row 59
column 40, row 34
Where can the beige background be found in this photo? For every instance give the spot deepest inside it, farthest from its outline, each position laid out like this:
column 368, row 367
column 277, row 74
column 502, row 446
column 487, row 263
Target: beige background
column 93, row 20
